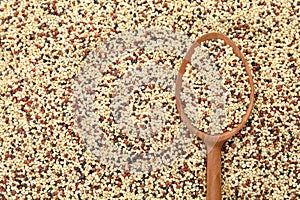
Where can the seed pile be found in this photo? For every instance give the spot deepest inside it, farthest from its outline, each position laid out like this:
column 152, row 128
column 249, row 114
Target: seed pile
column 235, row 81
column 139, row 128
column 137, row 99
column 43, row 45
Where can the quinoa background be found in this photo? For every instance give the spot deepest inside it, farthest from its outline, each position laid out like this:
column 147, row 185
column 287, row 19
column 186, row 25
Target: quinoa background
column 42, row 45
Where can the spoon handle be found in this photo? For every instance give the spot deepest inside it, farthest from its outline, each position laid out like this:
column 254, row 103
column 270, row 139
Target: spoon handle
column 214, row 191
